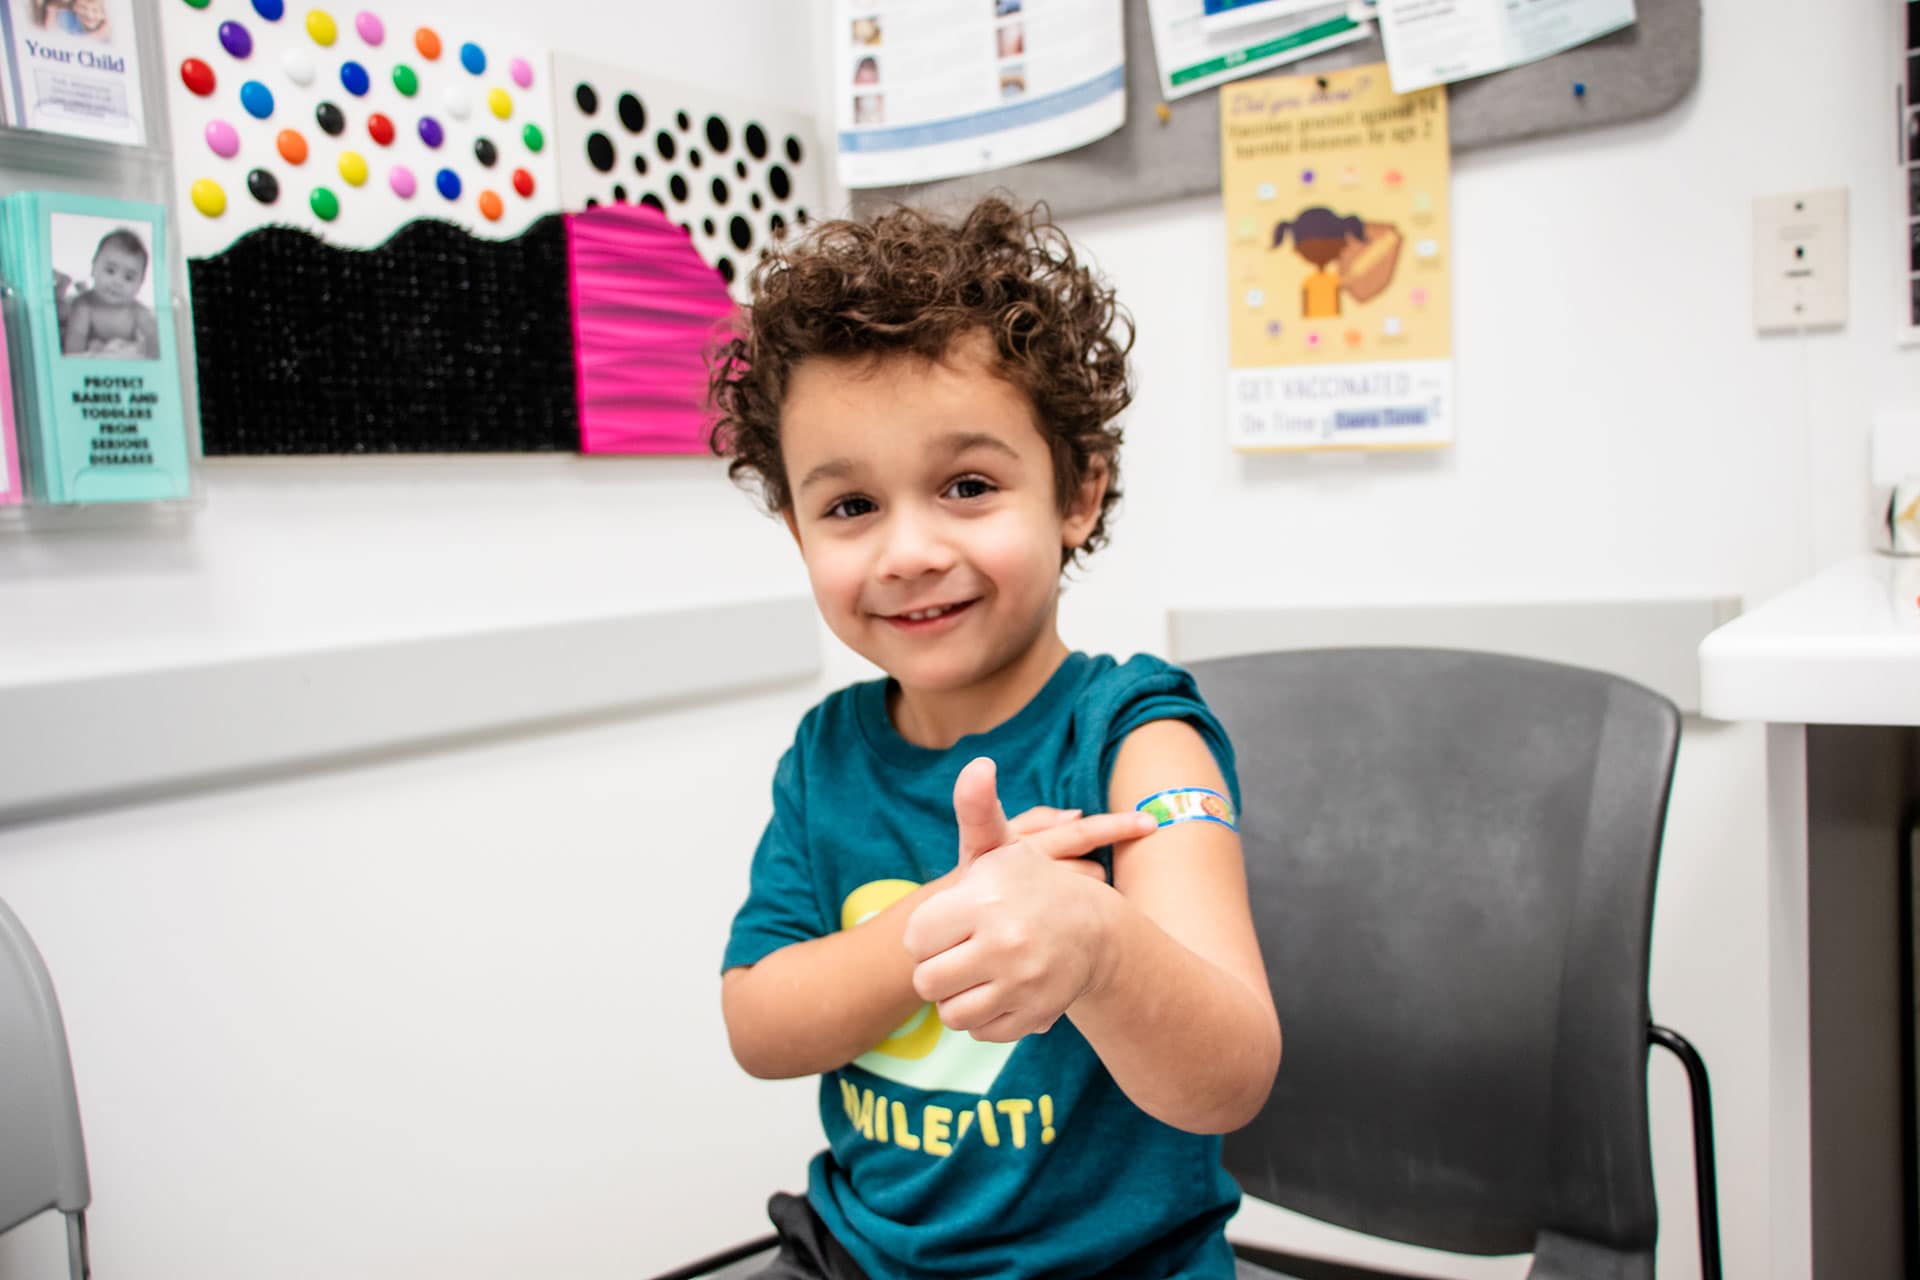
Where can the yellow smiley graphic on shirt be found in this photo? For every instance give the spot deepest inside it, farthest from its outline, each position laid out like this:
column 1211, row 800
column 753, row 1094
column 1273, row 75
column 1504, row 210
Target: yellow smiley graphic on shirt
column 922, row 1052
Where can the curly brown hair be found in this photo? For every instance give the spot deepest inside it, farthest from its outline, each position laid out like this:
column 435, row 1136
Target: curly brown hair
column 907, row 282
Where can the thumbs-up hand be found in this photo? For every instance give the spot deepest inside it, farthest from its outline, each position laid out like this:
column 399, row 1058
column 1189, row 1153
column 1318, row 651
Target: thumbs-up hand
column 1020, row 935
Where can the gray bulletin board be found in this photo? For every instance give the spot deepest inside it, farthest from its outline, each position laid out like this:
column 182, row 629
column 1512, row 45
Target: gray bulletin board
column 1630, row 74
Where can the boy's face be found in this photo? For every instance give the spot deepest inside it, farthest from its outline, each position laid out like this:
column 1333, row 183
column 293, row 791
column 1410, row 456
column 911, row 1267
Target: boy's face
column 117, row 273
column 923, row 503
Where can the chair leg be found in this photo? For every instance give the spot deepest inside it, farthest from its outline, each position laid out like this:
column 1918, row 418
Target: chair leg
column 77, row 1263
column 1706, row 1183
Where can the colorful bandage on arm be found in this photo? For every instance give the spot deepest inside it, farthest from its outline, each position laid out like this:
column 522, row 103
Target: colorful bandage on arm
column 1190, row 804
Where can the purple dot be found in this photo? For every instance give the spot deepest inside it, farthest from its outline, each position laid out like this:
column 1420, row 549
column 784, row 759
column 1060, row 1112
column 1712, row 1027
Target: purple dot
column 1306, row 175
column 235, row 40
column 521, row 71
column 371, row 29
column 430, row 131
column 400, row 178
column 223, row 138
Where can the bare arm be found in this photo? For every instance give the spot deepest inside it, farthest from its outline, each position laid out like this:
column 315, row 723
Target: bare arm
column 817, row 1005
column 76, row 328
column 1180, row 1011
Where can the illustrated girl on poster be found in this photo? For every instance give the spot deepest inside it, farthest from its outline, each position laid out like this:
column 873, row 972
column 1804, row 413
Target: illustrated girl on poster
column 1348, row 255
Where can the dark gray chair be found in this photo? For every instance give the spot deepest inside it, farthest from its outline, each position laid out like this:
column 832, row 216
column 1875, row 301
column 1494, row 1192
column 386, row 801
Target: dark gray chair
column 1451, row 858
column 43, row 1163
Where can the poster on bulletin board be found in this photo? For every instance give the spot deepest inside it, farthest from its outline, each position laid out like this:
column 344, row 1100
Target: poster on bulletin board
column 1339, row 288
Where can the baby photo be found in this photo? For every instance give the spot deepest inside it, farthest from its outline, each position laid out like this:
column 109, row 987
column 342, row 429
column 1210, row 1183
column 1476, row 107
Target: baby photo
column 103, row 287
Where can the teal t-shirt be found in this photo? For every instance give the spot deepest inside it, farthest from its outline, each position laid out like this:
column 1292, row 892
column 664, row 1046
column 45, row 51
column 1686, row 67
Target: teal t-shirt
column 947, row 1156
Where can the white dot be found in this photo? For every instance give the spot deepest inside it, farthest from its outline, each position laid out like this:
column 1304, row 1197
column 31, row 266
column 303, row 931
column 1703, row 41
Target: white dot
column 1427, row 248
column 298, row 66
column 458, row 104
column 1266, row 191
column 1391, row 327
column 1255, row 297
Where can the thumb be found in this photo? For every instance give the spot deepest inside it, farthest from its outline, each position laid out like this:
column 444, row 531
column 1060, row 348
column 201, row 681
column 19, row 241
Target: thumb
column 976, row 806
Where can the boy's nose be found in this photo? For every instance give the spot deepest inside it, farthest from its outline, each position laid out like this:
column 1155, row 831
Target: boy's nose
column 914, row 545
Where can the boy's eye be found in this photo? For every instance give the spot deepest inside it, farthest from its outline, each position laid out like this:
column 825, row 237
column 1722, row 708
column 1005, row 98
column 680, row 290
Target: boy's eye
column 847, row 508
column 970, row 487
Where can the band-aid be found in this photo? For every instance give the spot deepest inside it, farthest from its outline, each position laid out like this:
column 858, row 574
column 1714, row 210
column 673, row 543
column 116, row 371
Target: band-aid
column 1189, row 804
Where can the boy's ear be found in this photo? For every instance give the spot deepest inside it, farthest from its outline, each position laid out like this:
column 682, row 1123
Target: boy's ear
column 1084, row 511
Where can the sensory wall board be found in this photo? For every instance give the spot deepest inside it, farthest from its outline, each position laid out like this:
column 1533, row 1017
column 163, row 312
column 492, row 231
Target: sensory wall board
column 370, row 209
column 1634, row 73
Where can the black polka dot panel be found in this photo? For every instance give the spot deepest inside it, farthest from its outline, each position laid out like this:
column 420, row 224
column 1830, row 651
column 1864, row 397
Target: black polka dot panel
column 735, row 177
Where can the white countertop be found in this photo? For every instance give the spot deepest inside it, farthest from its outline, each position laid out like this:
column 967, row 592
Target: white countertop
column 1843, row 647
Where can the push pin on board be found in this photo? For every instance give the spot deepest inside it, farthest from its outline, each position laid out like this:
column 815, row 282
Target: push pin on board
column 1580, row 89
column 1164, row 111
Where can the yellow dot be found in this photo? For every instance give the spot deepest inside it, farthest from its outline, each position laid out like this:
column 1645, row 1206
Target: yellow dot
column 353, row 167
column 320, row 26
column 499, row 103
column 208, row 198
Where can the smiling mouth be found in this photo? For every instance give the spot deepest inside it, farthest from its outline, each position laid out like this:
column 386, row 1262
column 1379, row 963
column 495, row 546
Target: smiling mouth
column 932, row 614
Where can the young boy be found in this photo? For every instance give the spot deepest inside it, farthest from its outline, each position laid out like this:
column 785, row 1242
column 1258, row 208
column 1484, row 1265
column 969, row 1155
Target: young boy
column 930, row 408
column 108, row 318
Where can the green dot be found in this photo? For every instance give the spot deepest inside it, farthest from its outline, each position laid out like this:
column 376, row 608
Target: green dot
column 198, row 4
column 326, row 205
column 532, row 136
column 405, row 81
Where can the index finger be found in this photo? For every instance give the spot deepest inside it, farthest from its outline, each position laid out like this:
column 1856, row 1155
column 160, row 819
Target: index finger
column 1082, row 836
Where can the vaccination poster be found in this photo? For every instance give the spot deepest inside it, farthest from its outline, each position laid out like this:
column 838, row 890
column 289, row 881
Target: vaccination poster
column 1339, row 281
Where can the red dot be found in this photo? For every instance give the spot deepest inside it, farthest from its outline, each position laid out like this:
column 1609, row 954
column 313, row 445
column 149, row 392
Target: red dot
column 523, row 182
column 379, row 128
column 197, row 76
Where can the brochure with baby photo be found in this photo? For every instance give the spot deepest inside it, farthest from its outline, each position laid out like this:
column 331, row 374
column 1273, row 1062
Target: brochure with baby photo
column 98, row 375
column 73, row 67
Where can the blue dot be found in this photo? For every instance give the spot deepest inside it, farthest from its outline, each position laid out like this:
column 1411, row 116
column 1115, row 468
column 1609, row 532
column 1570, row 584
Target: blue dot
column 271, row 10
column 257, row 99
column 354, row 78
column 473, row 57
column 449, row 183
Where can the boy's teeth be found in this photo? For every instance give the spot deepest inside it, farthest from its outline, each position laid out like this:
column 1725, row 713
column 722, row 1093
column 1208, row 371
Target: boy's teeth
column 921, row 615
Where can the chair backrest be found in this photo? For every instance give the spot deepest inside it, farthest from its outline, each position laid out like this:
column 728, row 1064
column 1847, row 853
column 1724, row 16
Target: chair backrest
column 1451, row 858
column 43, row 1163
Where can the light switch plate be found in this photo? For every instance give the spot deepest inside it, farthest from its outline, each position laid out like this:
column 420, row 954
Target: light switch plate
column 1800, row 260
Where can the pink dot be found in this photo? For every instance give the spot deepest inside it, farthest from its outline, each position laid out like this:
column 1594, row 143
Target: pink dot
column 223, row 138
column 400, row 178
column 1418, row 297
column 521, row 71
column 371, row 29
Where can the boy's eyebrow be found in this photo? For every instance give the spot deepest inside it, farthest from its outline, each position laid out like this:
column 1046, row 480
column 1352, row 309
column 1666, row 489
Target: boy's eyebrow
column 951, row 445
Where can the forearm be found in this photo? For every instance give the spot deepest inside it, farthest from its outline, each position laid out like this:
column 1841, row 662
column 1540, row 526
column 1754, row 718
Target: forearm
column 818, row 1005
column 1191, row 1044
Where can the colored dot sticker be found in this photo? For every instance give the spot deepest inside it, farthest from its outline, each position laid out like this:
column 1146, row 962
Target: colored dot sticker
column 380, row 129
column 263, row 186
column 320, row 27
column 197, row 4
column 448, row 183
column 325, row 204
column 523, row 182
column 1306, row 179
column 532, row 136
column 298, row 65
column 1273, row 328
column 208, row 198
column 354, row 78
column 521, row 72
column 458, row 103
column 292, row 147
column 257, row 99
column 1266, row 191
column 331, row 119
column 223, row 138
column 1313, row 339
column 430, row 131
column 400, row 178
column 1393, row 178
column 353, row 168
column 473, row 57
column 197, row 76
column 485, row 152
column 405, row 80
column 271, row 10
column 1418, row 297
column 371, row 29
column 235, row 39
column 1391, row 326
column 500, row 103
column 490, row 206
column 1353, row 337
column 427, row 41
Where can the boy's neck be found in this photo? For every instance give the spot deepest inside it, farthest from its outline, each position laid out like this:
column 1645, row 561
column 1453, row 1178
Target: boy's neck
column 940, row 718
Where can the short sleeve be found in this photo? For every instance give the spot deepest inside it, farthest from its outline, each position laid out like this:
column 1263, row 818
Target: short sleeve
column 1160, row 691
column 781, row 906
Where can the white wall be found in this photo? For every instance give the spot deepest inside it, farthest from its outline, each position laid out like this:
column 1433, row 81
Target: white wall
column 454, row 1013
